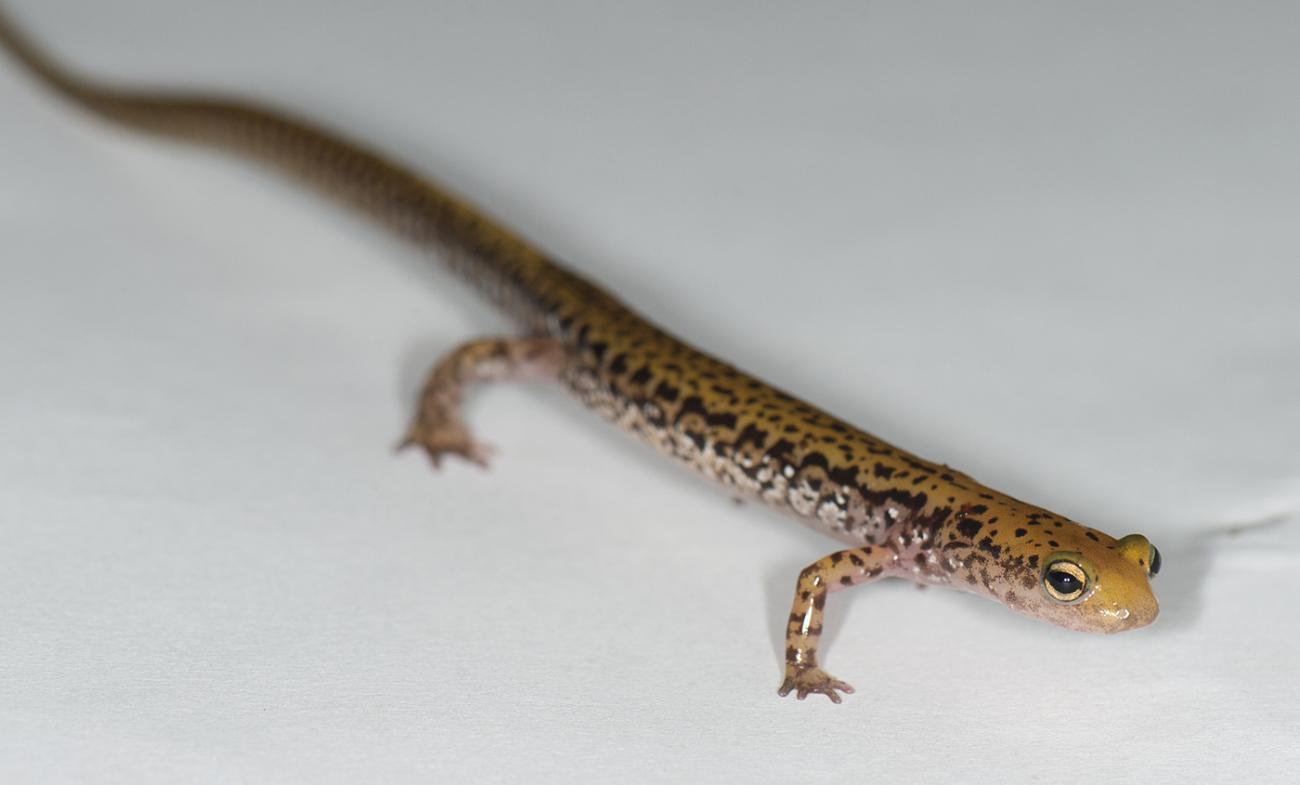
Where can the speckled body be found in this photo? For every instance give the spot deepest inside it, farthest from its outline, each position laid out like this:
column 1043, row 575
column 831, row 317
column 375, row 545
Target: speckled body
column 901, row 515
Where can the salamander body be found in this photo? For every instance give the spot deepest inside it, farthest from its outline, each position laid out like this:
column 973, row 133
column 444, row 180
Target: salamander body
column 897, row 514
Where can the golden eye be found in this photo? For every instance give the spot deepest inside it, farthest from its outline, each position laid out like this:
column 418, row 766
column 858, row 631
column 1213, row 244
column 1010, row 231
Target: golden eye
column 1064, row 581
column 1155, row 561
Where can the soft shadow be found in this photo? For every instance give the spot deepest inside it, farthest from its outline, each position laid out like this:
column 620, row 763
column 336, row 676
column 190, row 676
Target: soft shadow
column 1188, row 563
column 1273, row 521
column 778, row 592
column 1178, row 586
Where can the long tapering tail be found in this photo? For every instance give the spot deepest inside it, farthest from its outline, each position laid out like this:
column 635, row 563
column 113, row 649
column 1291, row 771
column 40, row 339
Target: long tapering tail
column 508, row 269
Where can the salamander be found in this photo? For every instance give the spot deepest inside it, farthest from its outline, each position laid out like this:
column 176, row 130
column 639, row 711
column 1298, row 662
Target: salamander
column 898, row 515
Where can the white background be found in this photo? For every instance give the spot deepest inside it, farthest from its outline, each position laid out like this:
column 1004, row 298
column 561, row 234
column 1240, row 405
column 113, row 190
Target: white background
column 1052, row 244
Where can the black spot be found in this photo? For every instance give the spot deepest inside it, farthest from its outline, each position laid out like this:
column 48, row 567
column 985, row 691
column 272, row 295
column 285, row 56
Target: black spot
column 847, row 475
column 915, row 464
column 692, row 404
column 988, row 547
column 815, row 459
column 847, row 580
column 1021, row 532
column 666, row 392
column 722, row 420
column 969, row 527
column 780, row 449
column 1091, row 536
column 751, row 433
column 642, row 375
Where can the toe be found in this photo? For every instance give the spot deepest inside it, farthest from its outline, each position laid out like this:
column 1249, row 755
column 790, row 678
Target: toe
column 479, row 454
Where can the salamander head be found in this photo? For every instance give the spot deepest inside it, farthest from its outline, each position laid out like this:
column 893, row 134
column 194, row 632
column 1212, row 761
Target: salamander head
column 1095, row 583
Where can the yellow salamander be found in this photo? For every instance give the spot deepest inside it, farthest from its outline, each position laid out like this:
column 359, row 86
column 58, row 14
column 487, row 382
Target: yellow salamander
column 899, row 515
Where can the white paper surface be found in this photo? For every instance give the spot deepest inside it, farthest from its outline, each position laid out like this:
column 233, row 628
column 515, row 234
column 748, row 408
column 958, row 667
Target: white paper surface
column 1051, row 244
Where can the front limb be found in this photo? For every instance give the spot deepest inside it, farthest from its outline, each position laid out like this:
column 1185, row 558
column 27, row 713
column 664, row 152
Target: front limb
column 838, row 571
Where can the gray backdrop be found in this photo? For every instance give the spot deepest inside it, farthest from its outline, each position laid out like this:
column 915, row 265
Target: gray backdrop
column 1051, row 244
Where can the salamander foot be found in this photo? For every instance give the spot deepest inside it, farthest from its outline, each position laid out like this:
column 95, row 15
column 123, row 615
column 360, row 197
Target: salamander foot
column 453, row 440
column 811, row 680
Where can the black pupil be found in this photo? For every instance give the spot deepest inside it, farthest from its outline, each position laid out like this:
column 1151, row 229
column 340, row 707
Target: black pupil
column 1063, row 582
column 1155, row 560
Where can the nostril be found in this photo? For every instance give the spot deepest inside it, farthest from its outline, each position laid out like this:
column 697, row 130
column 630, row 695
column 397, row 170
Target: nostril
column 1155, row 561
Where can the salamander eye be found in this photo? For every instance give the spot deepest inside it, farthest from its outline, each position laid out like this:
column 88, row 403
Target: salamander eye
column 1155, row 561
column 1064, row 581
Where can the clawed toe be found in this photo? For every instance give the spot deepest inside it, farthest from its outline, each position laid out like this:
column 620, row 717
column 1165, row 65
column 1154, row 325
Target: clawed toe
column 442, row 442
column 812, row 681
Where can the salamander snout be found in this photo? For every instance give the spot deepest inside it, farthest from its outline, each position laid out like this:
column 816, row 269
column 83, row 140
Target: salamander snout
column 1101, row 585
column 1135, row 604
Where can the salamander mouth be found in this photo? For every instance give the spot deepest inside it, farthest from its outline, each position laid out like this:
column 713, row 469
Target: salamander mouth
column 1132, row 617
